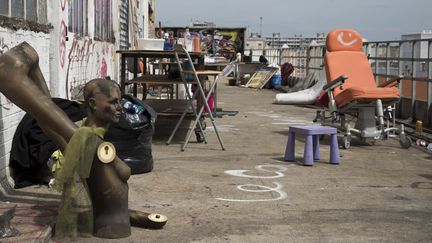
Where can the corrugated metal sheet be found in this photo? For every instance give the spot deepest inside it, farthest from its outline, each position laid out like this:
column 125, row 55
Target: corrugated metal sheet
column 124, row 24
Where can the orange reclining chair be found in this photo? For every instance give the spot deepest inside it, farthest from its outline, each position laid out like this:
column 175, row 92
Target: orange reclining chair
column 352, row 90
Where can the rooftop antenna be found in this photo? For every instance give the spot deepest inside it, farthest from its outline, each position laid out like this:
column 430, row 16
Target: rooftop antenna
column 261, row 26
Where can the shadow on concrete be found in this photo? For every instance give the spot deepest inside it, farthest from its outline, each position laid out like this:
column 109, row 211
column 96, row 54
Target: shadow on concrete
column 8, row 194
column 325, row 140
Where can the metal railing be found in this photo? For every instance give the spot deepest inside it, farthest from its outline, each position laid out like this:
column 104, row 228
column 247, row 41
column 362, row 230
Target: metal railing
column 410, row 58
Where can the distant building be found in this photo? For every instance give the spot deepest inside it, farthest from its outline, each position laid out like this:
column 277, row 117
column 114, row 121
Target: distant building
column 420, row 51
column 254, row 47
column 276, row 47
column 255, row 41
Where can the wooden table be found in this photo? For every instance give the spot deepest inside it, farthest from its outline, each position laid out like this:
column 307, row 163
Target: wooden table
column 173, row 106
column 134, row 55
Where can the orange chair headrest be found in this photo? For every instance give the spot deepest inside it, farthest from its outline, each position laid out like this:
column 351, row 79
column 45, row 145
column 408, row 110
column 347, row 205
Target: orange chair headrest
column 344, row 40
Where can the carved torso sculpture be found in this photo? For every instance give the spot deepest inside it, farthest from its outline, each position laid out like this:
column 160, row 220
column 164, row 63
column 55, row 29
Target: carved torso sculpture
column 22, row 82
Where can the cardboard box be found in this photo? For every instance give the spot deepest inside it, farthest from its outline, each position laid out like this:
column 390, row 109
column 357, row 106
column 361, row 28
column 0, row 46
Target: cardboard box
column 150, row 44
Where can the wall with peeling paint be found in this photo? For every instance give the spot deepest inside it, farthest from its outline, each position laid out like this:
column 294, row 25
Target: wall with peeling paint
column 79, row 58
column 67, row 60
column 10, row 114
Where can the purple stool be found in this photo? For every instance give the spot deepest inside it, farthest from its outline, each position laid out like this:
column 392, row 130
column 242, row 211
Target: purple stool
column 311, row 149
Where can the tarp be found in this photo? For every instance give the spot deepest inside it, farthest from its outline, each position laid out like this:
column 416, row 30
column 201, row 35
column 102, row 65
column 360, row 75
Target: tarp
column 302, row 97
column 31, row 148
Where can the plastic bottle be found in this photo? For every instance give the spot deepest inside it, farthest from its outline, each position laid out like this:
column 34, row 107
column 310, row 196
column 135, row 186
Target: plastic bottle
column 172, row 41
column 188, row 40
column 421, row 143
column 131, row 107
column 196, row 44
column 167, row 45
column 238, row 57
column 419, row 126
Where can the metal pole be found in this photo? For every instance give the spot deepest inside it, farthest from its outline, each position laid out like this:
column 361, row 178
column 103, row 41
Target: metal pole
column 429, row 84
column 376, row 60
column 413, row 82
column 261, row 26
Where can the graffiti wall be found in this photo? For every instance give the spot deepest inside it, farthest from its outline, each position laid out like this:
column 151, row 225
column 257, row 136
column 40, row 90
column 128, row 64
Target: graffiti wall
column 80, row 58
column 84, row 60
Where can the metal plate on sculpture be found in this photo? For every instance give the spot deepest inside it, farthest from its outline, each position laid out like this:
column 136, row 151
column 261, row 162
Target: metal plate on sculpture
column 157, row 221
column 106, row 152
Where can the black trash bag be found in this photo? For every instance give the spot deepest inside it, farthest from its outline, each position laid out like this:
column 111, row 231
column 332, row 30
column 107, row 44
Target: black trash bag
column 131, row 121
column 31, row 148
column 135, row 152
column 132, row 136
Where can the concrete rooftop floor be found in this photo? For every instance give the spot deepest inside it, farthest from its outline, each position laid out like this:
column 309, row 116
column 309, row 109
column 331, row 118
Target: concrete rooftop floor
column 379, row 193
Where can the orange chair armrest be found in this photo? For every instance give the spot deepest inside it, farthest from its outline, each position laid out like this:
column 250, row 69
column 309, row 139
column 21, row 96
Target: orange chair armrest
column 391, row 82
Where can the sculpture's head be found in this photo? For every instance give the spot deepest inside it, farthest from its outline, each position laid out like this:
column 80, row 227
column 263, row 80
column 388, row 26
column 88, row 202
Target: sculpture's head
column 102, row 98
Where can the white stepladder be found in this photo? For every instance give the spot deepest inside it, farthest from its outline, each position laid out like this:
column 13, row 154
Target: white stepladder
column 194, row 75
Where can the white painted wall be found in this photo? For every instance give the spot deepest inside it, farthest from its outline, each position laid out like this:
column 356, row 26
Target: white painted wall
column 139, row 27
column 10, row 114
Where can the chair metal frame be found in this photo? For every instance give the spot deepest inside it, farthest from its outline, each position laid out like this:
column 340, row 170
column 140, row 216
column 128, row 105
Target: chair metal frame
column 369, row 114
column 366, row 115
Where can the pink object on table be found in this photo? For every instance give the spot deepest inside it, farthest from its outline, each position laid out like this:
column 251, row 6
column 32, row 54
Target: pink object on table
column 210, row 103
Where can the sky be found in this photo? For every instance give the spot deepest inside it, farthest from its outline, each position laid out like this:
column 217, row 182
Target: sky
column 376, row 20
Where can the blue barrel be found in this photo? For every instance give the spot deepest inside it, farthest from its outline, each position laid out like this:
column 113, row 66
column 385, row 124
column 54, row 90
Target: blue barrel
column 276, row 80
